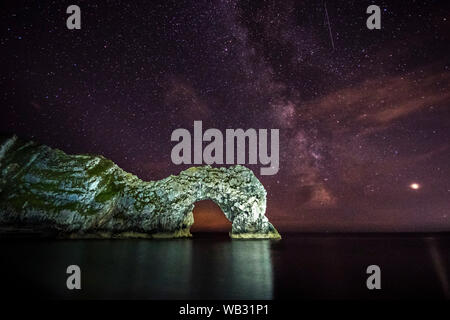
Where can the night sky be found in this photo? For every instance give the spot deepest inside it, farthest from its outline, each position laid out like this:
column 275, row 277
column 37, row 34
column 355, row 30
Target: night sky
column 364, row 126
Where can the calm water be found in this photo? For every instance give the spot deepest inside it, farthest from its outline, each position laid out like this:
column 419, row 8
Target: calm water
column 215, row 267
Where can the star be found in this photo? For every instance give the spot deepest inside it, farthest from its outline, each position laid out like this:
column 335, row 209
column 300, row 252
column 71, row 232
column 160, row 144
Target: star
column 414, row 186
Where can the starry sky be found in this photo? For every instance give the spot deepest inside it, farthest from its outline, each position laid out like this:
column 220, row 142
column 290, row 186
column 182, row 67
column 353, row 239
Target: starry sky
column 364, row 115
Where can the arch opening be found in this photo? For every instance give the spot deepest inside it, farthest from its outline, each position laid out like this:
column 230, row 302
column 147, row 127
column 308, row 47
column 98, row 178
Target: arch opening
column 209, row 218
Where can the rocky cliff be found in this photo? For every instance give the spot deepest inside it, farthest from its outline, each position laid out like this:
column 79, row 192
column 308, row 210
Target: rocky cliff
column 90, row 196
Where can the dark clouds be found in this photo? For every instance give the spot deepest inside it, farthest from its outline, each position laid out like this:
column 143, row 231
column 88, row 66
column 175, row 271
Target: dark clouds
column 358, row 123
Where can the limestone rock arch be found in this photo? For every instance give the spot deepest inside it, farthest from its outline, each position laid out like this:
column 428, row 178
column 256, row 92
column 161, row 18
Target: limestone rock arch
column 236, row 190
column 90, row 196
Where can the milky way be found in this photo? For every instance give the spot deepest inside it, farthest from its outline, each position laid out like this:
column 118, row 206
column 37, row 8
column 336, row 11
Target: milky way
column 363, row 114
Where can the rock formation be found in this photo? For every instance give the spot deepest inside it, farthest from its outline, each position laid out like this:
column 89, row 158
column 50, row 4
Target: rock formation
column 90, row 196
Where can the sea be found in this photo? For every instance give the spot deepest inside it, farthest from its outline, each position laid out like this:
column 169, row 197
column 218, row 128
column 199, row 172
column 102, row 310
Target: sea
column 213, row 266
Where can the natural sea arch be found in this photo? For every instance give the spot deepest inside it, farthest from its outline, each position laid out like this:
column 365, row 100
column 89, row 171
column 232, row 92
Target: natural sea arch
column 236, row 190
column 90, row 196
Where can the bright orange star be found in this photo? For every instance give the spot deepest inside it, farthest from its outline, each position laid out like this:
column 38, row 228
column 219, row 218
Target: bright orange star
column 414, row 186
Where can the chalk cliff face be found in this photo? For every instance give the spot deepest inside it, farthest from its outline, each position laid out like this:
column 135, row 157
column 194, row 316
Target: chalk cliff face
column 90, row 196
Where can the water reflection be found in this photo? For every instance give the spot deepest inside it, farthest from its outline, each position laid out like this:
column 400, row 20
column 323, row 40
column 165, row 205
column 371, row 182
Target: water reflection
column 142, row 269
column 299, row 266
column 232, row 269
column 210, row 268
column 251, row 269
